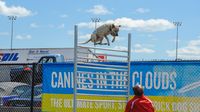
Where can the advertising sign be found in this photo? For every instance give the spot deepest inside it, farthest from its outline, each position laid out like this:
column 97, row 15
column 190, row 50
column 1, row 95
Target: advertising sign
column 31, row 55
column 172, row 86
column 12, row 56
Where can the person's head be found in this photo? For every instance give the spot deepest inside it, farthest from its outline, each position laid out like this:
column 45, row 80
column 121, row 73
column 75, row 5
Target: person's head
column 138, row 90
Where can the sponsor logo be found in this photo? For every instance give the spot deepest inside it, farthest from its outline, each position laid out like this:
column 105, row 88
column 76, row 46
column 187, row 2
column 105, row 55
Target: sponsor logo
column 38, row 52
column 9, row 56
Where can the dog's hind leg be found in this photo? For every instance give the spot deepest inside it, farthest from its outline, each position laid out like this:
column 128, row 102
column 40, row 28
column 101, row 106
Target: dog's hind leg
column 102, row 43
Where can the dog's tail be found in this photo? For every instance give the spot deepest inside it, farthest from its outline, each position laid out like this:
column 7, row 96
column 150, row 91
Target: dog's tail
column 93, row 36
column 84, row 42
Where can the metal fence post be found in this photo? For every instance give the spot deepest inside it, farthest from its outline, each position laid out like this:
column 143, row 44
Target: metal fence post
column 32, row 86
column 129, row 64
column 75, row 66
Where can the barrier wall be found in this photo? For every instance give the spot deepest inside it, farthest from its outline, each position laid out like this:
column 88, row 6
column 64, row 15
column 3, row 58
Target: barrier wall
column 172, row 86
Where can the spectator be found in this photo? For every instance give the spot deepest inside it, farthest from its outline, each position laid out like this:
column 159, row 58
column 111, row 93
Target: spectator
column 139, row 103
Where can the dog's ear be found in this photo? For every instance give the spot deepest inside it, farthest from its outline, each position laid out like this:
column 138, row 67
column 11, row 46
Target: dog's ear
column 113, row 26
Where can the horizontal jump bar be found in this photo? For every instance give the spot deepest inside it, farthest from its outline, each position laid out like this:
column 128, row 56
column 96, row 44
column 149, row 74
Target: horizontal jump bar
column 103, row 84
column 102, row 90
column 85, row 72
column 102, row 95
column 102, row 79
column 102, row 68
column 105, row 65
column 103, row 54
column 103, row 49
column 100, row 59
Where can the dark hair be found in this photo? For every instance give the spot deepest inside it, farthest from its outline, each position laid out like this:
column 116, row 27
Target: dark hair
column 138, row 90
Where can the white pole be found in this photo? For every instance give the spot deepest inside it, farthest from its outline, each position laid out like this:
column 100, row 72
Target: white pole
column 129, row 64
column 12, row 18
column 75, row 66
column 177, row 24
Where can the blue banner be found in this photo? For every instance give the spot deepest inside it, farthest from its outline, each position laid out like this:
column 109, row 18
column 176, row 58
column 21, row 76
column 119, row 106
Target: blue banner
column 157, row 78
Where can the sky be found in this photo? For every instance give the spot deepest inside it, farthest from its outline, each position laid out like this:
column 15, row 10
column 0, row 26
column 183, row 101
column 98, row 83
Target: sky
column 50, row 24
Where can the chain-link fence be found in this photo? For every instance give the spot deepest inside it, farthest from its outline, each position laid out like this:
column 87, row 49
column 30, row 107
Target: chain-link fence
column 20, row 87
column 172, row 86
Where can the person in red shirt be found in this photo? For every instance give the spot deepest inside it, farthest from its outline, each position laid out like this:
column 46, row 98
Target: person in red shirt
column 139, row 103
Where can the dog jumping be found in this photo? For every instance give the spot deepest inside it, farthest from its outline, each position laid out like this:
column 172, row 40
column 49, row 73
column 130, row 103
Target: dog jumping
column 102, row 32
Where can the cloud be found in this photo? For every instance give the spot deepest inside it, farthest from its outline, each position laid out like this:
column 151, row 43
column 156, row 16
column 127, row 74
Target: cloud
column 4, row 33
column 70, row 32
column 51, row 26
column 34, row 25
column 61, row 26
column 63, row 16
column 13, row 10
column 23, row 37
column 86, row 36
column 151, row 25
column 57, row 26
column 142, row 10
column 138, row 48
column 123, row 48
column 99, row 10
column 191, row 51
column 86, row 25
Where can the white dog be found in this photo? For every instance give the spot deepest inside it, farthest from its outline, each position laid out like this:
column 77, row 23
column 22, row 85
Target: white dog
column 102, row 32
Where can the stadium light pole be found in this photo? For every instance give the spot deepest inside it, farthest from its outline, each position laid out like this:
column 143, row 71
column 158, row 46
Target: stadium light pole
column 95, row 20
column 12, row 18
column 177, row 24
